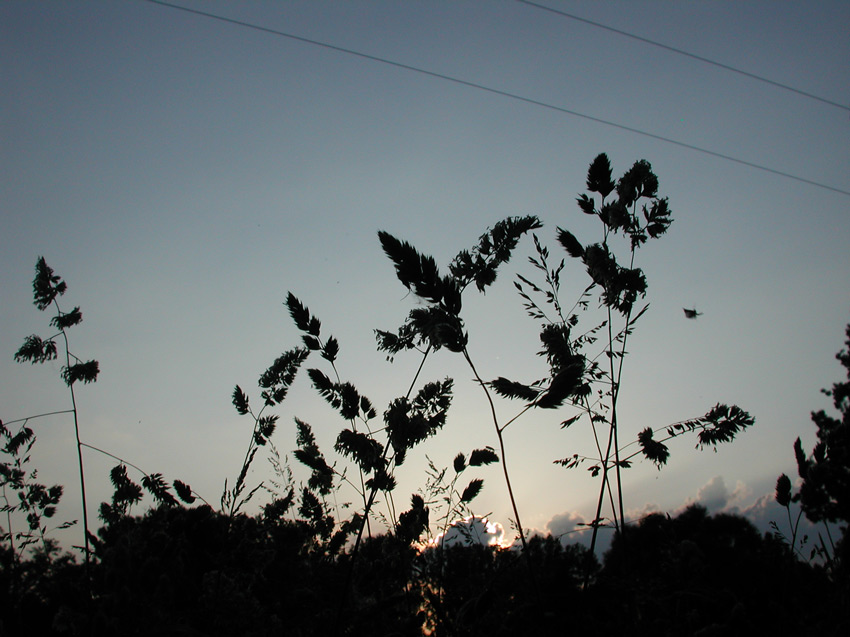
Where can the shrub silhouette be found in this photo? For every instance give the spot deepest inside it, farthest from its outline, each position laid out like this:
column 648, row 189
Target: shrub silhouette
column 824, row 491
column 715, row 574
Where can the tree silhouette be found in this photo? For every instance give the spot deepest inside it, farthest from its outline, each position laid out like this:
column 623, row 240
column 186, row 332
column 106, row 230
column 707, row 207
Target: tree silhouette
column 824, row 493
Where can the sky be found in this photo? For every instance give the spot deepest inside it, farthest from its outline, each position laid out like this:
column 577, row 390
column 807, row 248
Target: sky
column 182, row 174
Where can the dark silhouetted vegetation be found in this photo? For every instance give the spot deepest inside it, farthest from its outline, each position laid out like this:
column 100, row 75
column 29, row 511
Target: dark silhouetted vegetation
column 336, row 553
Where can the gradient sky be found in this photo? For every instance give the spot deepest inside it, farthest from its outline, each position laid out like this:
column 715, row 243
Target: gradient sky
column 183, row 173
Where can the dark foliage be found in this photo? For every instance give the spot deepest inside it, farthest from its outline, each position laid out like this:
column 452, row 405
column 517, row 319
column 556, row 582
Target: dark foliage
column 701, row 574
column 175, row 570
column 494, row 248
column 35, row 350
column 295, row 568
column 279, row 376
column 46, row 286
column 653, row 449
column 825, row 490
column 409, row 422
column 308, row 454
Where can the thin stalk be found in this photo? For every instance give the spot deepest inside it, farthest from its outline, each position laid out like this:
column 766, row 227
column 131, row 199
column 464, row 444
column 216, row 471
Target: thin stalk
column 50, row 413
column 615, row 392
column 793, row 527
column 137, row 468
column 501, row 448
column 79, row 458
column 605, row 484
column 239, row 480
column 353, row 422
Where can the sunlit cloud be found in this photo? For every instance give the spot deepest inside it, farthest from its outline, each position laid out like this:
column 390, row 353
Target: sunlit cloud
column 471, row 531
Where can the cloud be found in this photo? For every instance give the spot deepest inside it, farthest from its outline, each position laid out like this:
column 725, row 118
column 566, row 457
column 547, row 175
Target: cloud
column 571, row 527
column 471, row 531
column 716, row 497
column 567, row 523
column 763, row 511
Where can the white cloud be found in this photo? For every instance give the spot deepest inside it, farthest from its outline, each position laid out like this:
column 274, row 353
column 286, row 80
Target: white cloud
column 716, row 497
column 471, row 531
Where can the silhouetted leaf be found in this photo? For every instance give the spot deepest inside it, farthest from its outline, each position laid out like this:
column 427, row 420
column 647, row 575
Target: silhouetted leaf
column 800, row 456
column 36, row 350
column 412, row 523
column 184, row 491
column 330, row 350
column 46, row 286
column 277, row 378
column 459, row 463
column 366, row 408
column 783, row 490
column 653, row 449
column 411, row 422
column 126, row 491
column 439, row 328
column 616, row 216
column 381, row 481
column 65, row 320
column 586, row 204
column 277, row 508
column 657, row 217
column 311, row 508
column 240, row 401
column 721, row 424
column 484, row 456
column 471, row 490
column 15, row 442
column 311, row 342
column 570, row 243
column 599, row 176
column 265, row 429
column 158, row 488
column 513, row 389
column 416, row 272
column 343, row 397
column 302, row 317
column 494, row 248
column 86, row 372
column 570, row 421
column 365, row 451
column 393, row 343
column 639, row 181
column 567, row 382
column 309, row 454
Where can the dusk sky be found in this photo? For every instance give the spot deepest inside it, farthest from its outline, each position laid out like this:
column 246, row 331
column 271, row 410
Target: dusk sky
column 183, row 173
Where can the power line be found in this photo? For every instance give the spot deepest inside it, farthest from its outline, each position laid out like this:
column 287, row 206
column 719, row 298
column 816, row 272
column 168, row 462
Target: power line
column 685, row 53
column 495, row 91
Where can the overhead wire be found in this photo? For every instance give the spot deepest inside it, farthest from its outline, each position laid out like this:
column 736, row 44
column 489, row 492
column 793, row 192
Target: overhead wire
column 495, row 91
column 694, row 56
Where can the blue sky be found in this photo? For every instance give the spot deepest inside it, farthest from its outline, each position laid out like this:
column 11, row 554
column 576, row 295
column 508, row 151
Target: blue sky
column 182, row 174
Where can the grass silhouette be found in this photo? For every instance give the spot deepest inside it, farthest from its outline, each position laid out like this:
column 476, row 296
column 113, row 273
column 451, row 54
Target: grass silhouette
column 303, row 564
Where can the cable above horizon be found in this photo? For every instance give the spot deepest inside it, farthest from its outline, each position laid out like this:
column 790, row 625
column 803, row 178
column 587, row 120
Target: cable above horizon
column 495, row 91
column 694, row 56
